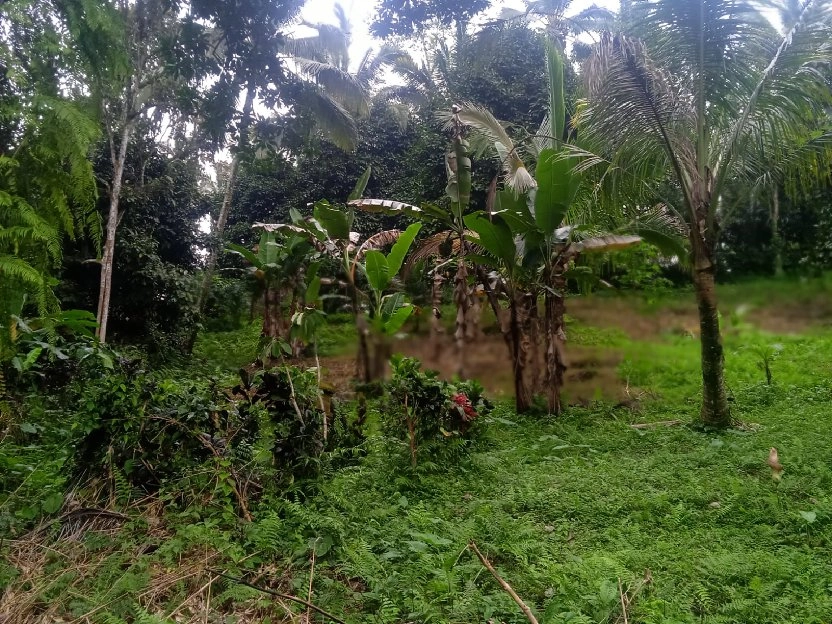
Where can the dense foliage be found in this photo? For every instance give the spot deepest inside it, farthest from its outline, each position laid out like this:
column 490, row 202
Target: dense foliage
column 233, row 252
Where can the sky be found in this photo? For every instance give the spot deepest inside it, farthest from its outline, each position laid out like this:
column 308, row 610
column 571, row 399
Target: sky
column 360, row 12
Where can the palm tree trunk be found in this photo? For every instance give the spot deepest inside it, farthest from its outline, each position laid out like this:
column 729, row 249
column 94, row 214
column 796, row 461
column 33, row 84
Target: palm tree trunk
column 715, row 410
column 109, row 251
column 776, row 239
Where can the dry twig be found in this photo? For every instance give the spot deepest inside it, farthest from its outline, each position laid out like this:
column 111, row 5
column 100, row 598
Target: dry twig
column 523, row 606
column 624, row 602
column 301, row 601
column 658, row 423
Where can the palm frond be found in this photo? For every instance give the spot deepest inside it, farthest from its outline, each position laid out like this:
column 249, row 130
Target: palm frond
column 789, row 92
column 329, row 115
column 339, row 85
column 517, row 176
column 433, row 246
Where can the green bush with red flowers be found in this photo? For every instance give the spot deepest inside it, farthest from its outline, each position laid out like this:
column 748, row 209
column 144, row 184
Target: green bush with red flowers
column 431, row 417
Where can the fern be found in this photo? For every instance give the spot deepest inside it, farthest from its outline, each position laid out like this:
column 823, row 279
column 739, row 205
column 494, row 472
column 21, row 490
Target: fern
column 267, row 533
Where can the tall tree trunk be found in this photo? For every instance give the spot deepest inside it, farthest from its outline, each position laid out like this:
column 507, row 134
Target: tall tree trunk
column 219, row 228
column 776, row 238
column 715, row 410
column 109, row 251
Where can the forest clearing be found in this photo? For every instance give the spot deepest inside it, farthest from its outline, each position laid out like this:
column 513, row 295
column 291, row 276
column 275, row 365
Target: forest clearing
column 423, row 312
column 689, row 521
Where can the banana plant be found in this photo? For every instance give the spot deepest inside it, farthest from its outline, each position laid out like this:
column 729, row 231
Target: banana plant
column 284, row 266
column 538, row 227
column 329, row 230
column 451, row 240
column 388, row 312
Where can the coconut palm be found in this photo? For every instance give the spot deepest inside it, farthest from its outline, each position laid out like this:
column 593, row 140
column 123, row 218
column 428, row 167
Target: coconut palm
column 695, row 96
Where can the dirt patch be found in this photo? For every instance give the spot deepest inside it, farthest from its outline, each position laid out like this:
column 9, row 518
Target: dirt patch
column 679, row 317
column 792, row 318
column 592, row 372
column 629, row 316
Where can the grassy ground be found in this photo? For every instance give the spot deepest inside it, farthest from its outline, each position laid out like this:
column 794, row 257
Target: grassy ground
column 689, row 522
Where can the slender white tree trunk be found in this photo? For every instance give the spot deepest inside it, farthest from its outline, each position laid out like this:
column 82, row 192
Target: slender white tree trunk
column 108, row 253
column 225, row 208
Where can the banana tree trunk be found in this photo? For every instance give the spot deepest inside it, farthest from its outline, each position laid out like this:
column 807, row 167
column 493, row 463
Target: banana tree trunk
column 534, row 355
column 382, row 351
column 472, row 324
column 362, row 362
column 436, row 328
column 555, row 310
column 715, row 410
column 520, row 351
column 461, row 301
column 271, row 313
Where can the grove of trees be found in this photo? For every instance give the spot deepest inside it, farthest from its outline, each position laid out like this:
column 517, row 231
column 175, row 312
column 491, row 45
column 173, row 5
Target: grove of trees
column 141, row 140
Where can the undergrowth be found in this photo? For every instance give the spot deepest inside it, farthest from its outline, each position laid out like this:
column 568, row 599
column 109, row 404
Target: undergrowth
column 688, row 523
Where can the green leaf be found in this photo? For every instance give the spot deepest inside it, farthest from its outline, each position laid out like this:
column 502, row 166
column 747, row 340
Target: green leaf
column 269, row 250
column 31, row 358
column 53, row 503
column 397, row 319
column 400, row 248
column 313, row 290
column 377, row 270
column 514, row 210
column 557, row 185
column 808, row 516
column 495, row 237
column 358, row 191
column 335, row 222
column 252, row 258
column 390, row 304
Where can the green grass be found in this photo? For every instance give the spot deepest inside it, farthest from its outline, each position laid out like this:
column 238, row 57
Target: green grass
column 563, row 507
column 567, row 507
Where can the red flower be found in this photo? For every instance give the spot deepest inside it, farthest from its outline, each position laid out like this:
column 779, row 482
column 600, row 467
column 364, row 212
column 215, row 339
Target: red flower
column 465, row 408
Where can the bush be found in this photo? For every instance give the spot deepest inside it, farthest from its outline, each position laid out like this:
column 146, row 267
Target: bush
column 300, row 422
column 432, row 416
column 269, row 429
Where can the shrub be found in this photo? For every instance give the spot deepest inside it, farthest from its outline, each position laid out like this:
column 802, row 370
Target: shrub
column 431, row 415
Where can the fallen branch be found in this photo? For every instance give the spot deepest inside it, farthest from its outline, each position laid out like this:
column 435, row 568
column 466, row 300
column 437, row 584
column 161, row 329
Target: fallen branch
column 311, row 577
column 658, row 423
column 523, row 606
column 301, row 601
column 628, row 597
column 624, row 602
